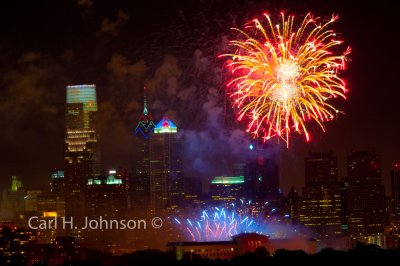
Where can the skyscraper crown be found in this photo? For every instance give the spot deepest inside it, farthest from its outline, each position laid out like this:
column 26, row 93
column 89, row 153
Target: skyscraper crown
column 145, row 125
column 165, row 126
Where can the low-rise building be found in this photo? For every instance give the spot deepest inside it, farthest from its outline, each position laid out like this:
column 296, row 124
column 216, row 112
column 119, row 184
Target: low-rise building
column 239, row 245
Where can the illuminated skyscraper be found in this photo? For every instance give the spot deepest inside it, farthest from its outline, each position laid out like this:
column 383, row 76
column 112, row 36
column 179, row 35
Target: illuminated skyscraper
column 365, row 197
column 82, row 155
column 146, row 124
column 166, row 177
column 141, row 185
column 321, row 205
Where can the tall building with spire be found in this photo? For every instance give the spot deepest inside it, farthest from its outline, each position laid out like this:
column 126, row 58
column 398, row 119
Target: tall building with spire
column 145, row 124
column 143, row 129
column 166, row 176
column 81, row 153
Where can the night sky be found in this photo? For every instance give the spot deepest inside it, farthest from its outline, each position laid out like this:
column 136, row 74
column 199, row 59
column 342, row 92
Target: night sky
column 172, row 47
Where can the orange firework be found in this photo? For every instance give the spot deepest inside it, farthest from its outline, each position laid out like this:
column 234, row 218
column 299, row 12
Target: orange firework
column 285, row 76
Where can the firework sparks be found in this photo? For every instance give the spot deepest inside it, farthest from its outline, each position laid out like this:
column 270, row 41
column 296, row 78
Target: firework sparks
column 219, row 225
column 285, row 77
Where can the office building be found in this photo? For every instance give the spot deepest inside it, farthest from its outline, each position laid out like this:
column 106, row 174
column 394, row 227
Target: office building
column 141, row 182
column 262, row 174
column 366, row 208
column 107, row 197
column 321, row 204
column 395, row 182
column 81, row 154
column 166, row 176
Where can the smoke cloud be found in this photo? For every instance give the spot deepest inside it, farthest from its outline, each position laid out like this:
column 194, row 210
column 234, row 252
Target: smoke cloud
column 113, row 27
column 30, row 103
column 194, row 98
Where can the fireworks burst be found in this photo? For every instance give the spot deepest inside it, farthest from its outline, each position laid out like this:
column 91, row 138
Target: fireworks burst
column 219, row 225
column 285, row 77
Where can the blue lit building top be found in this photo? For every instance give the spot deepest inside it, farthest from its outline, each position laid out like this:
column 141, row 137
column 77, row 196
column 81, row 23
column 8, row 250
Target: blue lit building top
column 165, row 126
column 57, row 174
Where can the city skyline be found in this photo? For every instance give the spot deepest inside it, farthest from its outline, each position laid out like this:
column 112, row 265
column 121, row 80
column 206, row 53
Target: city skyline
column 239, row 213
column 225, row 131
column 39, row 58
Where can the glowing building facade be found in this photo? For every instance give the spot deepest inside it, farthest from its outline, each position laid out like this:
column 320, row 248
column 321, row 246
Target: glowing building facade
column 81, row 154
column 321, row 204
column 145, row 124
column 16, row 183
column 227, row 188
column 166, row 176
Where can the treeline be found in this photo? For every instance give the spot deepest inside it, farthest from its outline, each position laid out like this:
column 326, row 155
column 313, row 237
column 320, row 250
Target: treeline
column 360, row 255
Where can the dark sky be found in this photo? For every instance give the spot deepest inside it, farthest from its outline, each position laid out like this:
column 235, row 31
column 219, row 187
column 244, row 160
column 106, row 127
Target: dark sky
column 172, row 47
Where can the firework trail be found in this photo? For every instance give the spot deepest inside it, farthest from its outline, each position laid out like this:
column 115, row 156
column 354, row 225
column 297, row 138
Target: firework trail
column 284, row 77
column 219, row 225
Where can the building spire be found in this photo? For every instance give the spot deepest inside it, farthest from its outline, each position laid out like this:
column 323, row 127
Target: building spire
column 145, row 111
column 145, row 124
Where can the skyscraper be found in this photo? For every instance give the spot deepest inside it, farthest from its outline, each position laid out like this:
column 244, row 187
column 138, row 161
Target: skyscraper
column 365, row 197
column 141, row 182
column 395, row 180
column 321, row 205
column 81, row 154
column 107, row 197
column 166, row 176
column 262, row 174
column 343, row 189
column 145, row 124
column 293, row 204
